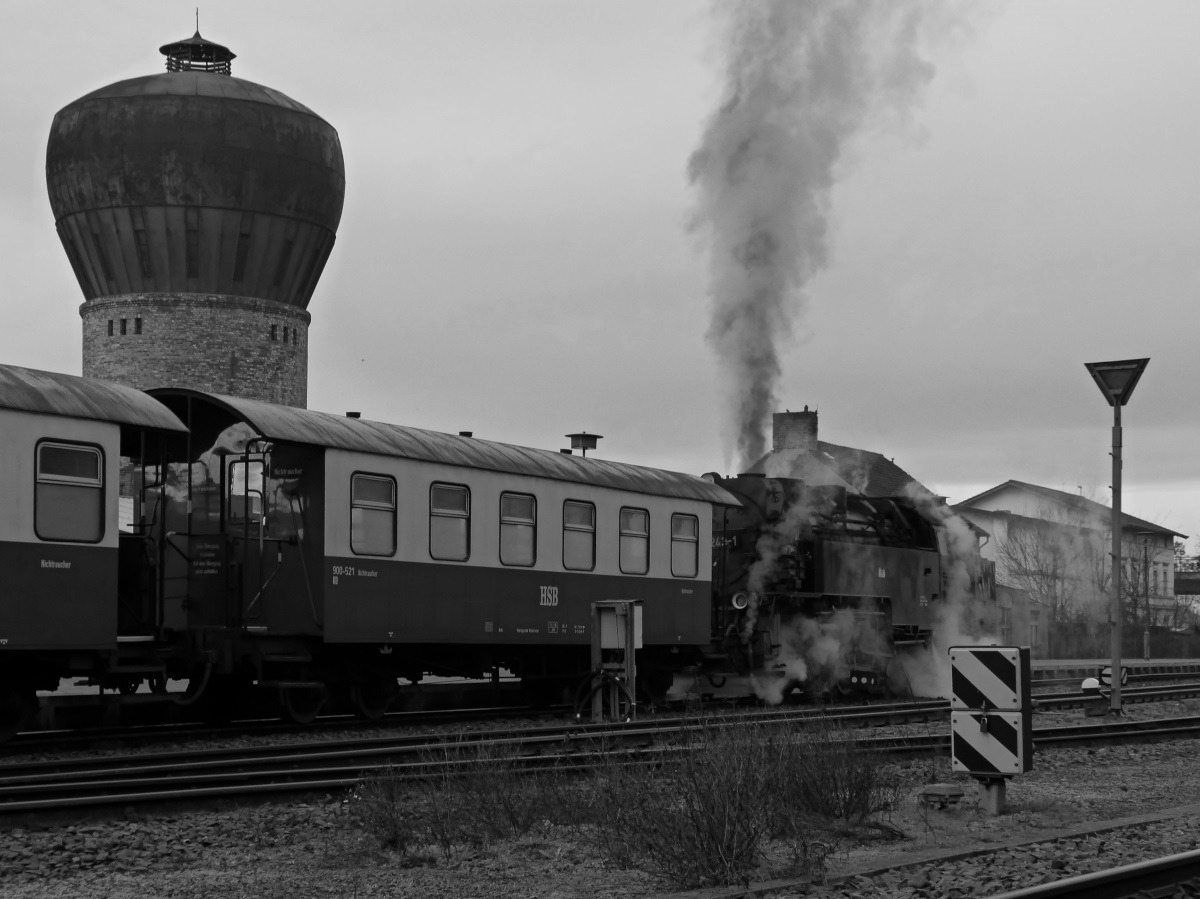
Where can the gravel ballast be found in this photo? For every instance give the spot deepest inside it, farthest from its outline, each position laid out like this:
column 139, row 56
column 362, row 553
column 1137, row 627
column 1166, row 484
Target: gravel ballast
column 1079, row 810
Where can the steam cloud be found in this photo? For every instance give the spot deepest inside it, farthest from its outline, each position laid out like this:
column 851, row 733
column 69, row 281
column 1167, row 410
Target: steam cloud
column 803, row 77
column 962, row 616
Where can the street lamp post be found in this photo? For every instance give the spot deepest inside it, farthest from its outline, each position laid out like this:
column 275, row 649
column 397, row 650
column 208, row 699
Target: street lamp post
column 1116, row 381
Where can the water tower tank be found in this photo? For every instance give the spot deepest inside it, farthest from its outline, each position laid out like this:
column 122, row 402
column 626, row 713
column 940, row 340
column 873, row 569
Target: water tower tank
column 198, row 211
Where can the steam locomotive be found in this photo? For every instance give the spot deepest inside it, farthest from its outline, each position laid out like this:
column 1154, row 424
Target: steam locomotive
column 818, row 587
column 245, row 546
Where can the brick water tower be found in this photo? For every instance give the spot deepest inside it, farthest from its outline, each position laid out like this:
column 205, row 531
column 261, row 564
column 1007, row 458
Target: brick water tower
column 198, row 211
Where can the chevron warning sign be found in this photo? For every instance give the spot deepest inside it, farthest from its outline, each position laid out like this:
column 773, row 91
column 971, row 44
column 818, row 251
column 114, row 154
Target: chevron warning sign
column 991, row 744
column 989, row 678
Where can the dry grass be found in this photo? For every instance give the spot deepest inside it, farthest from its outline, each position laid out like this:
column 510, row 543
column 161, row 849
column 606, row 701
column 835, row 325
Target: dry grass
column 736, row 801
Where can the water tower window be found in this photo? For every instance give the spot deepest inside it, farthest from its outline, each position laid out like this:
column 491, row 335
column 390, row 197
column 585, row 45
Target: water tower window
column 124, row 329
column 137, row 325
column 281, row 269
column 285, row 333
column 274, row 332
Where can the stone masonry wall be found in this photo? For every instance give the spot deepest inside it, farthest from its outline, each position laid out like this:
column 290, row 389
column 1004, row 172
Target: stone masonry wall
column 220, row 344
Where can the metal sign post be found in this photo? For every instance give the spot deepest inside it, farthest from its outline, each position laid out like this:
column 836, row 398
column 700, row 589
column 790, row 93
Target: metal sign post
column 1116, row 381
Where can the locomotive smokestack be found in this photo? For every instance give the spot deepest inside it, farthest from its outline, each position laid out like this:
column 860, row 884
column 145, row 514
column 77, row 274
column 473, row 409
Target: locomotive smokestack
column 794, row 430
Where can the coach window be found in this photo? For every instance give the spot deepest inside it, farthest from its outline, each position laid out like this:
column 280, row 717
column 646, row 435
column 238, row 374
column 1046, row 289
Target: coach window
column 245, row 507
column 449, row 522
column 372, row 515
column 685, row 545
column 518, row 529
column 635, row 541
column 579, row 536
column 69, row 500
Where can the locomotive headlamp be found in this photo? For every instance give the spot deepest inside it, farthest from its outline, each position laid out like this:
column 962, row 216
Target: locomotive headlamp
column 740, row 600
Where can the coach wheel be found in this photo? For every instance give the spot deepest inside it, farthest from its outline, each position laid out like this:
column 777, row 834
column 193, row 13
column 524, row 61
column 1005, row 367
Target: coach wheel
column 372, row 700
column 302, row 704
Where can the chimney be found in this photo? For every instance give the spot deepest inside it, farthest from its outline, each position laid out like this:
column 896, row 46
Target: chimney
column 794, row 430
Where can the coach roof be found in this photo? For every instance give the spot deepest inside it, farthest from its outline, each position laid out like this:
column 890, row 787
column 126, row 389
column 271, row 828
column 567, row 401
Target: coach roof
column 292, row 425
column 52, row 393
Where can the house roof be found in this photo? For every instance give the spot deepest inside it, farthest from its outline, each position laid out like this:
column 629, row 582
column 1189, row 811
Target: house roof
column 865, row 472
column 1071, row 501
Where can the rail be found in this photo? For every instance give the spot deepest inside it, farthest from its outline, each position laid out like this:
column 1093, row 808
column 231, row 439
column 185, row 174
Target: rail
column 1158, row 877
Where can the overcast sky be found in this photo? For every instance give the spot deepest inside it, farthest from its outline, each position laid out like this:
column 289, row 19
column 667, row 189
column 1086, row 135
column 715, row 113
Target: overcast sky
column 514, row 257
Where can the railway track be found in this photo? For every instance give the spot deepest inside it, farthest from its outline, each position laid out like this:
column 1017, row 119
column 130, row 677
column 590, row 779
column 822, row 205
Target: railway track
column 58, row 741
column 1173, row 875
column 337, row 765
column 84, row 739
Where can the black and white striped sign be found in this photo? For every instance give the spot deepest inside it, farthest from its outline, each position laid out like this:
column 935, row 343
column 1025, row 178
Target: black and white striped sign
column 995, row 744
column 989, row 677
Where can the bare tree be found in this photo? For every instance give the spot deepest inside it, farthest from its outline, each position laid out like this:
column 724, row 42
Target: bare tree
column 1055, row 563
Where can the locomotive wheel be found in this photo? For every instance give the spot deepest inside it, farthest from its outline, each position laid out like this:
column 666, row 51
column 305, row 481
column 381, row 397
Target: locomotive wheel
column 301, row 705
column 129, row 687
column 16, row 706
column 373, row 699
column 654, row 686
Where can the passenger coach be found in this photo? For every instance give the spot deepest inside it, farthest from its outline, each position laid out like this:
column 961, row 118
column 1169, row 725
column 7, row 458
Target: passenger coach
column 64, row 607
column 344, row 552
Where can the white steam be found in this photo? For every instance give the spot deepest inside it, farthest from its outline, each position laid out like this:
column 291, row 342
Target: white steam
column 803, row 78
column 963, row 614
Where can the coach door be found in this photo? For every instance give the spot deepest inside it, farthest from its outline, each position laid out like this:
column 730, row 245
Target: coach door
column 246, row 510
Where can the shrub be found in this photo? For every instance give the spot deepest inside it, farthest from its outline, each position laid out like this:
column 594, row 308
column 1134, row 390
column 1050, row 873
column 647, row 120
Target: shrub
column 698, row 819
column 463, row 794
column 383, row 807
column 708, row 814
column 827, row 773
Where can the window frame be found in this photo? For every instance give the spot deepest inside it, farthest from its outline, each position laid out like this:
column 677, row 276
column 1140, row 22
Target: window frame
column 517, row 523
column 694, row 541
column 622, row 534
column 236, row 504
column 579, row 530
column 69, row 481
column 375, row 506
column 450, row 514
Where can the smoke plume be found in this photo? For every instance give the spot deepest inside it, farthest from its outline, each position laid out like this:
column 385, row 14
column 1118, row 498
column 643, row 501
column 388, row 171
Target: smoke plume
column 803, row 77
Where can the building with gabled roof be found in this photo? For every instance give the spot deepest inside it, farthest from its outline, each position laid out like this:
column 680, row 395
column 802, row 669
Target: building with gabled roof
column 1056, row 547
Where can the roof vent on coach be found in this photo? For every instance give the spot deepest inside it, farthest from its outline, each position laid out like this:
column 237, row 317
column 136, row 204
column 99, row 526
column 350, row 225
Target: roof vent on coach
column 354, row 415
